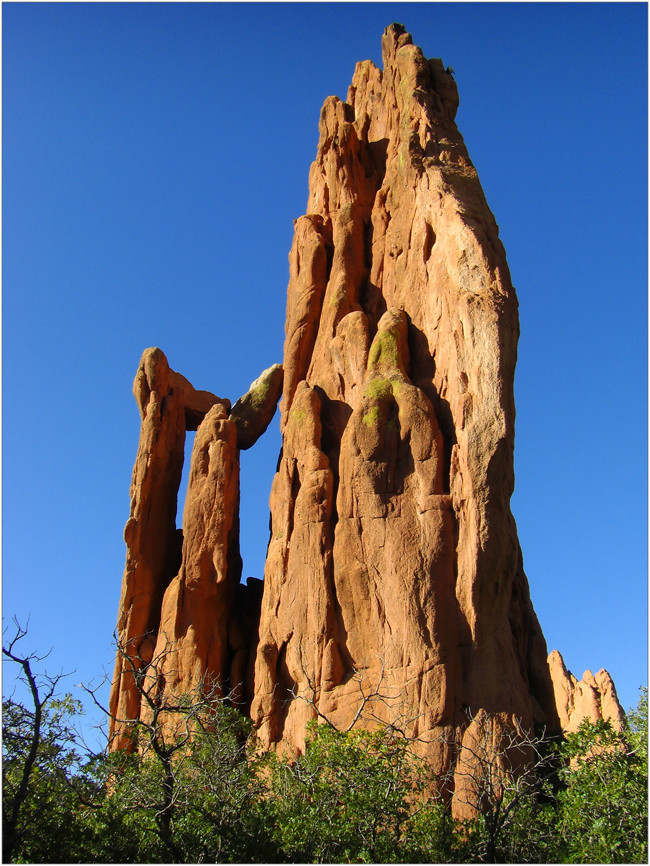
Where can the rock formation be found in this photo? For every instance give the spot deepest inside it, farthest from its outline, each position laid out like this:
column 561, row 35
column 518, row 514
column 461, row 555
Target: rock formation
column 394, row 584
column 182, row 603
column 590, row 699
column 393, row 552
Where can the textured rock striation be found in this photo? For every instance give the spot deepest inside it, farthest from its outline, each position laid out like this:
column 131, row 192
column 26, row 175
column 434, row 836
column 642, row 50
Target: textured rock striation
column 394, row 588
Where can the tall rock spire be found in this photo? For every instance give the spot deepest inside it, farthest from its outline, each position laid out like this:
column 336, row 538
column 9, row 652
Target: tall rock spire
column 184, row 618
column 393, row 549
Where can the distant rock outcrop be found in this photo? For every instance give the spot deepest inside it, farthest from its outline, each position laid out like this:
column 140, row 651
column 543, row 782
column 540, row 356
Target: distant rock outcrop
column 591, row 699
column 394, row 581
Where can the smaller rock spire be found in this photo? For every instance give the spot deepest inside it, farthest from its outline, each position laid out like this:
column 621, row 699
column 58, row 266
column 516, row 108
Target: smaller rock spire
column 590, row 699
column 182, row 612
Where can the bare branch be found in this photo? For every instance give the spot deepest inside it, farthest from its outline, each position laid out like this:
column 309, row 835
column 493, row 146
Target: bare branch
column 42, row 689
column 372, row 693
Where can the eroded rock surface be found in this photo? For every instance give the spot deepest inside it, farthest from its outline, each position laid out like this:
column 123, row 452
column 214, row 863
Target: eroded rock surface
column 394, row 556
column 253, row 412
column 167, row 404
column 197, row 605
column 394, row 588
column 591, row 699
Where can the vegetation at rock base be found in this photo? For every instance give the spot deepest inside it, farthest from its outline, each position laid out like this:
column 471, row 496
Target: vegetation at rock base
column 354, row 796
column 196, row 788
column 603, row 804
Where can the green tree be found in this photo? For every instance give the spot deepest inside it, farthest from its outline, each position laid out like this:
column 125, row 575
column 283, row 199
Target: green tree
column 505, row 773
column 636, row 730
column 195, row 788
column 45, row 779
column 191, row 802
column 354, row 796
column 187, row 784
column 603, row 810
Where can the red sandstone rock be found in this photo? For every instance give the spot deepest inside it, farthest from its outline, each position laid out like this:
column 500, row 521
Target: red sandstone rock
column 184, row 609
column 168, row 404
column 197, row 606
column 393, row 552
column 590, row 699
column 253, row 412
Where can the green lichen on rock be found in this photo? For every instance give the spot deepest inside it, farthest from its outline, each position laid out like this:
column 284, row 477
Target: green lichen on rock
column 259, row 392
column 297, row 416
column 253, row 412
column 371, row 417
column 379, row 394
column 338, row 297
column 384, row 352
column 378, row 389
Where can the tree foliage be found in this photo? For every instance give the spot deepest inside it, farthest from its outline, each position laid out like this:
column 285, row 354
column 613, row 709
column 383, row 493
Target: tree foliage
column 507, row 773
column 208, row 794
column 604, row 805
column 354, row 796
column 45, row 777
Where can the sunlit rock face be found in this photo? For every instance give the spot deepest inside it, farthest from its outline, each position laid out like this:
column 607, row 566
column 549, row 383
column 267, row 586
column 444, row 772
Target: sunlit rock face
column 394, row 555
column 591, row 699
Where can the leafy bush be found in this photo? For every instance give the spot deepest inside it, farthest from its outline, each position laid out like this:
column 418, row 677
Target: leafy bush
column 604, row 807
column 353, row 796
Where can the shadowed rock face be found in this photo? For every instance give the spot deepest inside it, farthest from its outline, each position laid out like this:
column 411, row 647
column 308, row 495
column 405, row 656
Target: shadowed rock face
column 393, row 549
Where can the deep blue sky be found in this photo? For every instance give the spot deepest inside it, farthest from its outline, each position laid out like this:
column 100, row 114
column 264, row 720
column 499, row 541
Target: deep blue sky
column 154, row 158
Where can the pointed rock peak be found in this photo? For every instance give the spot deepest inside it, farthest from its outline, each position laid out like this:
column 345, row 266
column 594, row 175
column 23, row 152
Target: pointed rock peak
column 555, row 660
column 395, row 36
column 152, row 375
column 590, row 699
column 155, row 376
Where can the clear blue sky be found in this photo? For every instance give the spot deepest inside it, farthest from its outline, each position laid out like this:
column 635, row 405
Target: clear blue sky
column 154, row 158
